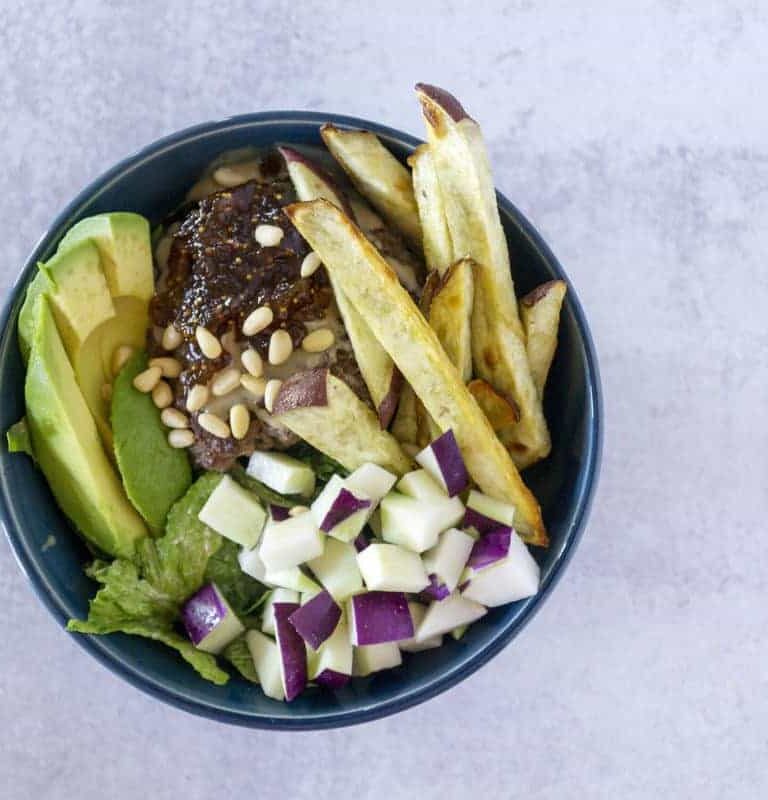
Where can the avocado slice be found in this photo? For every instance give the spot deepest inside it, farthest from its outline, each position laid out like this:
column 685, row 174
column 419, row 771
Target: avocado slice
column 67, row 445
column 155, row 475
column 124, row 243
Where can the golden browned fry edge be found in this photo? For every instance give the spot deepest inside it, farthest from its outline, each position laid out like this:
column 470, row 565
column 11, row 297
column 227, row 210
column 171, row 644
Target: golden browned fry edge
column 377, row 175
column 498, row 342
column 378, row 370
column 540, row 315
column 373, row 288
column 500, row 411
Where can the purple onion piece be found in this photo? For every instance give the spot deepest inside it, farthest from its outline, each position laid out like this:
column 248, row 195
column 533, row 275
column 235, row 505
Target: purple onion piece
column 491, row 547
column 317, row 619
column 330, row 679
column 451, row 463
column 343, row 507
column 202, row 612
column 381, row 617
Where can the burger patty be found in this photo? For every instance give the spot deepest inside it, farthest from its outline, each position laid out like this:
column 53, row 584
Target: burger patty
column 217, row 273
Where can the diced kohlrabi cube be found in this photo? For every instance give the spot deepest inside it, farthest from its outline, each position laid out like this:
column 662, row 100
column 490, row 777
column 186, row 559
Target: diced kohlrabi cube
column 411, row 645
column 339, row 512
column 316, row 619
column 486, row 514
column 331, row 665
column 446, row 560
column 490, row 547
column 251, row 564
column 293, row 653
column 420, row 484
column 514, row 578
column 376, row 617
column 374, row 523
column 375, row 657
column 436, row 590
column 266, row 660
column 371, row 480
column 293, row 578
column 390, row 568
column 291, row 542
column 209, row 621
column 445, row 615
column 234, row 512
column 443, row 461
column 282, row 473
column 416, row 524
column 337, row 569
column 278, row 595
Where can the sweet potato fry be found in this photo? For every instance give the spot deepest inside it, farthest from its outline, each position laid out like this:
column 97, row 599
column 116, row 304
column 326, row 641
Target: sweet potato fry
column 540, row 315
column 378, row 176
column 377, row 368
column 498, row 340
column 397, row 323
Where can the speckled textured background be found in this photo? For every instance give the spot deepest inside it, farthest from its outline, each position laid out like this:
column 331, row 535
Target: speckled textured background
column 635, row 140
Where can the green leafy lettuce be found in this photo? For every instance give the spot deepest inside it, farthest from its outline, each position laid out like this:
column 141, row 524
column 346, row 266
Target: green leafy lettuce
column 18, row 438
column 239, row 656
column 323, row 466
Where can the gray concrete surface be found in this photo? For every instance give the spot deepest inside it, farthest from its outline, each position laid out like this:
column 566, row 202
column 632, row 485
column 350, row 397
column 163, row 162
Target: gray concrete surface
column 634, row 136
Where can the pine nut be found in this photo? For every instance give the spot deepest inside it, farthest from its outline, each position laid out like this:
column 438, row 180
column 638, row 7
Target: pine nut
column 173, row 418
column 268, row 235
column 162, row 396
column 214, row 425
column 170, row 367
column 106, row 392
column 239, row 420
column 252, row 362
column 296, row 510
column 280, row 347
column 229, row 177
column 172, row 338
column 225, row 382
column 318, row 341
column 271, row 393
column 120, row 356
column 146, row 381
column 310, row 264
column 257, row 320
column 207, row 342
column 197, row 397
column 256, row 386
column 181, row 438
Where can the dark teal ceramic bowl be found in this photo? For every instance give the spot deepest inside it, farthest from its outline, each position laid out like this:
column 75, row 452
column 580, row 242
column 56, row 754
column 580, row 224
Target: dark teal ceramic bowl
column 152, row 183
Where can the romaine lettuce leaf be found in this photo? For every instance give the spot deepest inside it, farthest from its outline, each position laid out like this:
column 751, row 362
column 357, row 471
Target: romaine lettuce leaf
column 239, row 656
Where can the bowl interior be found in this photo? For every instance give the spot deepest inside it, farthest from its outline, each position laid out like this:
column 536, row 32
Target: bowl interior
column 153, row 183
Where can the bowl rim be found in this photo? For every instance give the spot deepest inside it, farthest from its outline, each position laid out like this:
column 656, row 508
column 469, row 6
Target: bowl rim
column 439, row 682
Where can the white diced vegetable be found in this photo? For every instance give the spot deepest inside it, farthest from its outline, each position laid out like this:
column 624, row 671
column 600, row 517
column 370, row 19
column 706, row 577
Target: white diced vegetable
column 514, row 578
column 339, row 512
column 282, row 473
column 486, row 514
column 443, row 460
column 420, row 484
column 371, row 480
column 337, row 569
column 389, row 568
column 331, row 665
column 418, row 610
column 290, row 542
column 445, row 615
column 251, row 564
column 293, row 653
column 490, row 548
column 293, row 578
column 416, row 524
column 278, row 595
column 266, row 661
column 210, row 622
column 447, row 558
column 375, row 657
column 234, row 512
column 376, row 617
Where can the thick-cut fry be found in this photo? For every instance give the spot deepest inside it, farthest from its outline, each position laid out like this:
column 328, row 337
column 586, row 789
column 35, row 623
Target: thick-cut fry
column 373, row 288
column 405, row 426
column 378, row 176
column 436, row 238
column 450, row 314
column 500, row 412
column 498, row 339
column 377, row 368
column 540, row 314
column 325, row 412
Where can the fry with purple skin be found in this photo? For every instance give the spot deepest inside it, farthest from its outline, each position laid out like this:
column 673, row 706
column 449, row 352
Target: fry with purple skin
column 540, row 315
column 498, row 339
